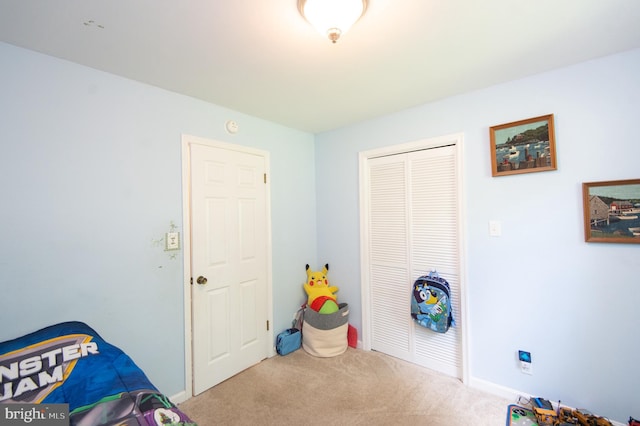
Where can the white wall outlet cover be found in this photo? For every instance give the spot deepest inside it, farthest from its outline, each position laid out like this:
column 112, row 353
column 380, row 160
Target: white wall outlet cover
column 231, row 126
column 525, row 362
column 526, row 367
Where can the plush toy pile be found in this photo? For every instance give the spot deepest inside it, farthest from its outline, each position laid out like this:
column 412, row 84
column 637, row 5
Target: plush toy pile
column 326, row 322
column 320, row 296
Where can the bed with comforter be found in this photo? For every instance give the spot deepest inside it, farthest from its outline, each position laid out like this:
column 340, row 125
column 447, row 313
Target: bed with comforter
column 69, row 363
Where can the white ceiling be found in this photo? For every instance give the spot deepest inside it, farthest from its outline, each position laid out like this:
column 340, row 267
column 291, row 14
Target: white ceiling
column 260, row 57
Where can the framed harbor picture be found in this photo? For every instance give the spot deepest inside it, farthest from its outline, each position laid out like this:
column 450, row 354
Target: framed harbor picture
column 612, row 211
column 523, row 146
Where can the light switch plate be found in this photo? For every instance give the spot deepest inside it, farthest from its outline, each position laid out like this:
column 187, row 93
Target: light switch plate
column 172, row 241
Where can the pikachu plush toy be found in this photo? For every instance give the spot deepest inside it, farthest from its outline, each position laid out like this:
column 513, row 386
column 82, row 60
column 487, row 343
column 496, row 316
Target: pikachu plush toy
column 320, row 296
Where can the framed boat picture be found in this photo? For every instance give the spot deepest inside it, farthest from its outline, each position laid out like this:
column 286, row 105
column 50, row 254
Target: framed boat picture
column 612, row 211
column 523, row 146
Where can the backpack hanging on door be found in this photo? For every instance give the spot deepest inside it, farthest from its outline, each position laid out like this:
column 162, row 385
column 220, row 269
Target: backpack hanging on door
column 431, row 303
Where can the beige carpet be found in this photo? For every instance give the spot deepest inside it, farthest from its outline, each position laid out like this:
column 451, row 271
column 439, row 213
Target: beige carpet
column 356, row 388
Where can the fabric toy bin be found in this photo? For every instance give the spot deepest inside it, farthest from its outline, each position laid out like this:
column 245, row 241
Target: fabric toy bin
column 325, row 335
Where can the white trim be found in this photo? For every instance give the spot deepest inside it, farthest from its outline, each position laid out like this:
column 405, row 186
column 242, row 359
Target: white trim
column 494, row 389
column 187, row 141
column 365, row 299
column 179, row 398
column 186, row 265
column 462, row 253
column 456, row 139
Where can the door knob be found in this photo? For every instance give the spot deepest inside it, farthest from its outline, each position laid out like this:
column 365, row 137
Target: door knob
column 201, row 280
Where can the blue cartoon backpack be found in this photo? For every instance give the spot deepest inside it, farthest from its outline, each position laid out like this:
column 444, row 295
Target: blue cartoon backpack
column 431, row 303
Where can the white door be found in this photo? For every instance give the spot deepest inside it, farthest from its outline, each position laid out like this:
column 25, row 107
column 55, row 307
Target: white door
column 229, row 221
column 411, row 224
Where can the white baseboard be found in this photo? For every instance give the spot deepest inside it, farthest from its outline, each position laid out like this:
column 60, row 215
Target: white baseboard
column 179, row 398
column 511, row 394
column 495, row 389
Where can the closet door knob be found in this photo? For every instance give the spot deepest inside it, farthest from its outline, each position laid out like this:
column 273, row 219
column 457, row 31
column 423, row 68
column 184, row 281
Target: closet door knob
column 201, row 280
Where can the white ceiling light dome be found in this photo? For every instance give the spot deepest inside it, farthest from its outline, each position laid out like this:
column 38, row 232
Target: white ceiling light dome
column 332, row 18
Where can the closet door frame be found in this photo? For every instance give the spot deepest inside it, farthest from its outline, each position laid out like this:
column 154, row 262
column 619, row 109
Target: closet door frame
column 363, row 159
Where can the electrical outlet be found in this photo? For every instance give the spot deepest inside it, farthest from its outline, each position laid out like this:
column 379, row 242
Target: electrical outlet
column 525, row 362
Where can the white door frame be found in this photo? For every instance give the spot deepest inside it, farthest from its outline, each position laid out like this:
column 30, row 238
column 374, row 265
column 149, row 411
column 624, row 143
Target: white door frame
column 363, row 158
column 187, row 141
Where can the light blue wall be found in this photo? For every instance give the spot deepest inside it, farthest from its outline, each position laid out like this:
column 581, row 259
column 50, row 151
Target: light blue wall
column 539, row 287
column 90, row 173
column 90, row 176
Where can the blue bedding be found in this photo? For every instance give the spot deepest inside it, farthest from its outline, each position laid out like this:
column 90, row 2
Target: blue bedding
column 69, row 363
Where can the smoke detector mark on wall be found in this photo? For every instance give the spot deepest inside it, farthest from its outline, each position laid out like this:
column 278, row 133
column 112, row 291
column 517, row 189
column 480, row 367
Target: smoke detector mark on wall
column 231, row 126
column 92, row 23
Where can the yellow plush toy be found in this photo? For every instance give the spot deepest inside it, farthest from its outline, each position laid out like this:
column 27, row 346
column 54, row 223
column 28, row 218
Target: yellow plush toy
column 320, row 295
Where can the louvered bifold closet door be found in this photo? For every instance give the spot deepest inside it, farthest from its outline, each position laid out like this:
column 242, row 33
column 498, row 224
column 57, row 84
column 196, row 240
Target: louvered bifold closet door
column 389, row 255
column 413, row 227
column 434, row 244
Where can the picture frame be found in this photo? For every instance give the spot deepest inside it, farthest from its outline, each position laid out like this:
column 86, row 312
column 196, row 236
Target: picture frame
column 612, row 211
column 523, row 146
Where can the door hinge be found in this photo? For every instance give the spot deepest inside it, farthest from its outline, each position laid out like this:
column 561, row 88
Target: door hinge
column 265, row 178
column 267, row 325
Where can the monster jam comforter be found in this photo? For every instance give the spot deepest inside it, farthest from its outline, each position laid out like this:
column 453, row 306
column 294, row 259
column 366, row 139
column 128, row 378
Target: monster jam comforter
column 69, row 363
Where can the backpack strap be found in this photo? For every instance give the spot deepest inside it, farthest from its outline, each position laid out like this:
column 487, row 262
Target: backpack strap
column 435, row 281
column 299, row 318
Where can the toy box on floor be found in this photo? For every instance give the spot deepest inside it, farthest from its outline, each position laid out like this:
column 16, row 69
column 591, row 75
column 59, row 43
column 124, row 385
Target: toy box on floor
column 325, row 335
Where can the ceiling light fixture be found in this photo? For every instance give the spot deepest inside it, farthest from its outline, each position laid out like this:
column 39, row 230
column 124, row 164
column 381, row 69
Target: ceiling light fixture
column 332, row 18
